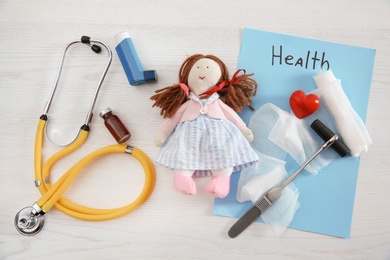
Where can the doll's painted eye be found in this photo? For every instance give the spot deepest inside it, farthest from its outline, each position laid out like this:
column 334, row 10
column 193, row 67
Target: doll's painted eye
column 207, row 66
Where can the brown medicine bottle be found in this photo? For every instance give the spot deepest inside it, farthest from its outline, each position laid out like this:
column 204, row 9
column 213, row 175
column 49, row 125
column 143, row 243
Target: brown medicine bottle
column 115, row 126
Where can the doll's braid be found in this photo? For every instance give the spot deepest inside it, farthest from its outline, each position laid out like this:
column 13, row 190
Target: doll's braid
column 238, row 94
column 169, row 99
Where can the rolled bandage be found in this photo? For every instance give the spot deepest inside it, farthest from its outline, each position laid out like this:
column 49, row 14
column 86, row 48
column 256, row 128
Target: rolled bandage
column 348, row 123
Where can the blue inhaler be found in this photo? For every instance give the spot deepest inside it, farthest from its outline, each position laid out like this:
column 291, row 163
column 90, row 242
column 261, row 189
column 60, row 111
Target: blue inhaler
column 130, row 61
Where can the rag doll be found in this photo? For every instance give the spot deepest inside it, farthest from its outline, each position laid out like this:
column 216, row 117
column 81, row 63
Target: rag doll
column 202, row 134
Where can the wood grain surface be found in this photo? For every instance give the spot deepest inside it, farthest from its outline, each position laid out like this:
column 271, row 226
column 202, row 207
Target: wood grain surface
column 169, row 225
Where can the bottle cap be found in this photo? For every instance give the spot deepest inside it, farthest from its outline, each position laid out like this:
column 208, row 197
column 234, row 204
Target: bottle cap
column 105, row 111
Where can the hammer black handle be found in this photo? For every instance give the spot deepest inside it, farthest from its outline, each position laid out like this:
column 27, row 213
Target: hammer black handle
column 325, row 133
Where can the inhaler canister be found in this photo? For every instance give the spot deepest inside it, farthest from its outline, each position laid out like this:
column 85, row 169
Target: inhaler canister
column 130, row 61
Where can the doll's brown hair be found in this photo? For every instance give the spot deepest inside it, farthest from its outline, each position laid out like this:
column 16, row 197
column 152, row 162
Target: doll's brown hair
column 237, row 93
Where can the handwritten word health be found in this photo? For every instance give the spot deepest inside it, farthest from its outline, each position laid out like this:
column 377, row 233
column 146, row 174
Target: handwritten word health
column 311, row 59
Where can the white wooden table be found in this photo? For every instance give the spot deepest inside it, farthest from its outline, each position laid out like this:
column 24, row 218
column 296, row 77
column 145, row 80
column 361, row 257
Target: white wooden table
column 168, row 225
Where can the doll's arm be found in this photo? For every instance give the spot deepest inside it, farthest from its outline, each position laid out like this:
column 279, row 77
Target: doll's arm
column 247, row 133
column 160, row 138
column 168, row 125
column 233, row 117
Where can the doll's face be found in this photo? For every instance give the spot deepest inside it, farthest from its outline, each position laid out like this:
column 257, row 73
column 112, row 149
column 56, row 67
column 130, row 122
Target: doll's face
column 203, row 76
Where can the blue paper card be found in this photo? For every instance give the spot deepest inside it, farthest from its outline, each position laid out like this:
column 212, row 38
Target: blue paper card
column 283, row 64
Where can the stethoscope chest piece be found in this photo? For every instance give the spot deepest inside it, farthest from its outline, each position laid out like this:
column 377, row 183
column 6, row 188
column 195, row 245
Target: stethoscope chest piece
column 28, row 222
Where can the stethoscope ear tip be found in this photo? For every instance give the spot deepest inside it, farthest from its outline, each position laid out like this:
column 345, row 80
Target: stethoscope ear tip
column 96, row 48
column 87, row 40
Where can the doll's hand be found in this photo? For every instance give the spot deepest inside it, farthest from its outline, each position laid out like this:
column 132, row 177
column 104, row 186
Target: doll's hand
column 160, row 138
column 247, row 133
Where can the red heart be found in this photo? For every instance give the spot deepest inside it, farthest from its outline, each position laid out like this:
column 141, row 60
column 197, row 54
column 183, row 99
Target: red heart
column 304, row 105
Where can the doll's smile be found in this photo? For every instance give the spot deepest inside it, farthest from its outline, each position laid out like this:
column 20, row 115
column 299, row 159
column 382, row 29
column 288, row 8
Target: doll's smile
column 202, row 78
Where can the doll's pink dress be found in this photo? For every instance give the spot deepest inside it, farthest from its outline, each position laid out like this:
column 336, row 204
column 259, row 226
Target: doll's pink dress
column 204, row 137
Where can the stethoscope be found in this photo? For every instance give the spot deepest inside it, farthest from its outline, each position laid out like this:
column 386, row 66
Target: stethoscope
column 30, row 220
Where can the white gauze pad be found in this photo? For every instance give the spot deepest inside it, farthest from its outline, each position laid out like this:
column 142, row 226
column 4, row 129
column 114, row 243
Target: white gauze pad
column 296, row 138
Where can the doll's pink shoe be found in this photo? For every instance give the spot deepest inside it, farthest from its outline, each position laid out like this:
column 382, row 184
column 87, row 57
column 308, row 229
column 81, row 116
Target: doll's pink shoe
column 184, row 184
column 218, row 186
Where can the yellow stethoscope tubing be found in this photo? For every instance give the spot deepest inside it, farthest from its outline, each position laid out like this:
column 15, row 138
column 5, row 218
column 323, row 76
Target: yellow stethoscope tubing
column 52, row 194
